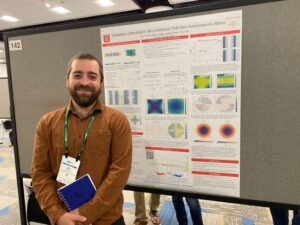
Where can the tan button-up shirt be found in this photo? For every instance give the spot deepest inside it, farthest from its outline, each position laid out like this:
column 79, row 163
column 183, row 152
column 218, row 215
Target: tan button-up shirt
column 106, row 157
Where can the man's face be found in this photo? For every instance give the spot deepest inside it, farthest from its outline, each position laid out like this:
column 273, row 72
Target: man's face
column 84, row 82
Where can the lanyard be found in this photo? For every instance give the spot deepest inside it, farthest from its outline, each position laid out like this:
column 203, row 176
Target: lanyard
column 86, row 132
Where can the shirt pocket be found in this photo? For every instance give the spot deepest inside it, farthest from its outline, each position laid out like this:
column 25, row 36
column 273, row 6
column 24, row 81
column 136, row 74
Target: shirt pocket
column 99, row 142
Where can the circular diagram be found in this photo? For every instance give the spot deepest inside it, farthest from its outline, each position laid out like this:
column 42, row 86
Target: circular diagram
column 176, row 130
column 225, row 103
column 203, row 104
column 203, row 130
column 227, row 131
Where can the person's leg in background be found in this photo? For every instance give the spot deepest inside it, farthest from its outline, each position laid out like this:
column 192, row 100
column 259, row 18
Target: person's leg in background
column 153, row 206
column 180, row 210
column 140, row 208
column 280, row 216
column 296, row 218
column 195, row 210
column 119, row 221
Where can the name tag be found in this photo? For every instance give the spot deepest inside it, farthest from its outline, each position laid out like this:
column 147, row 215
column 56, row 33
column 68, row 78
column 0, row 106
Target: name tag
column 67, row 170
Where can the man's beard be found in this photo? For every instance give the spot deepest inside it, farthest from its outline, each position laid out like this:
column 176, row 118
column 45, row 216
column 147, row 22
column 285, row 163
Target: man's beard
column 84, row 100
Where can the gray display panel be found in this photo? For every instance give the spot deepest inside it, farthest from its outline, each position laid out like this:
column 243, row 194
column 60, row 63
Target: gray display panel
column 4, row 99
column 270, row 122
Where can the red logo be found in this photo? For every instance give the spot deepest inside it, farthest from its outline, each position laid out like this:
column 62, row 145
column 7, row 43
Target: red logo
column 106, row 38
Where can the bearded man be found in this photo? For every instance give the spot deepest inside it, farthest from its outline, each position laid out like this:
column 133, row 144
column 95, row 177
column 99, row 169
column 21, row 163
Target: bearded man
column 84, row 137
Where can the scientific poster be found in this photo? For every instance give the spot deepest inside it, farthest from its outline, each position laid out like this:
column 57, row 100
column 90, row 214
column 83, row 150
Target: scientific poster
column 179, row 83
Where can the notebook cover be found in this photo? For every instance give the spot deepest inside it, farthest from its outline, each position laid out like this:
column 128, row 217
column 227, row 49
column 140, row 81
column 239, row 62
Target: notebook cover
column 77, row 193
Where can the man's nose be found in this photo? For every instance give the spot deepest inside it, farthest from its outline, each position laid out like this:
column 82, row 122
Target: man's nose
column 84, row 80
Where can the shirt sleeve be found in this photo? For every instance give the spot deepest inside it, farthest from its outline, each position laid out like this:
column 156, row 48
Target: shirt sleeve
column 43, row 179
column 111, row 188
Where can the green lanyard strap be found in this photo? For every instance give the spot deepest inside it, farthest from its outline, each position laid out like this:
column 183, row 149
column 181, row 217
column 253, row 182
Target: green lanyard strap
column 86, row 132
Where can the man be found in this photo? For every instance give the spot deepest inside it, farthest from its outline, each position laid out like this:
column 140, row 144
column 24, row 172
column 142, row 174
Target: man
column 95, row 139
column 140, row 208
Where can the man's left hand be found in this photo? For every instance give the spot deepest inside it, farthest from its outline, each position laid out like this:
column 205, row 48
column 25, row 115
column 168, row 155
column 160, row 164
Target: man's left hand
column 76, row 211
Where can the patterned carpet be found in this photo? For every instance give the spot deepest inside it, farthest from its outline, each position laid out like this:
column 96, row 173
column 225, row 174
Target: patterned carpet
column 214, row 213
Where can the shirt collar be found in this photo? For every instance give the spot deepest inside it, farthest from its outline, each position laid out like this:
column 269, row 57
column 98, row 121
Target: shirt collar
column 97, row 107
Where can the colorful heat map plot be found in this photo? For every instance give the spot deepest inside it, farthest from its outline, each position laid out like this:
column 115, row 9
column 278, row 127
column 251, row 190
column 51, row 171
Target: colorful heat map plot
column 130, row 52
column 203, row 130
column 202, row 81
column 226, row 80
column 227, row 131
column 131, row 97
column 114, row 97
column 155, row 106
column 176, row 106
column 231, row 48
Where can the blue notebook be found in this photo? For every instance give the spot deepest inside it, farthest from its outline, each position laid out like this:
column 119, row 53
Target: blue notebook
column 78, row 192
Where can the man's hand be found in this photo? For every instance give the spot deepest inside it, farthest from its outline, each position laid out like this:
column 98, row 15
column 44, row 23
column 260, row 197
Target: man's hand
column 70, row 218
column 76, row 211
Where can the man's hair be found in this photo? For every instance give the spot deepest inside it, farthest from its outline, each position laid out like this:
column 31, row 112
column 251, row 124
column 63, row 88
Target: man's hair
column 80, row 56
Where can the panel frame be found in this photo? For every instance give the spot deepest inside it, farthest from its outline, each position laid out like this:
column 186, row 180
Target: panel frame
column 110, row 21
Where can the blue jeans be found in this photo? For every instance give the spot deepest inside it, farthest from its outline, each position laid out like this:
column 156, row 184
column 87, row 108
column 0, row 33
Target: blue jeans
column 281, row 216
column 195, row 210
column 296, row 219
